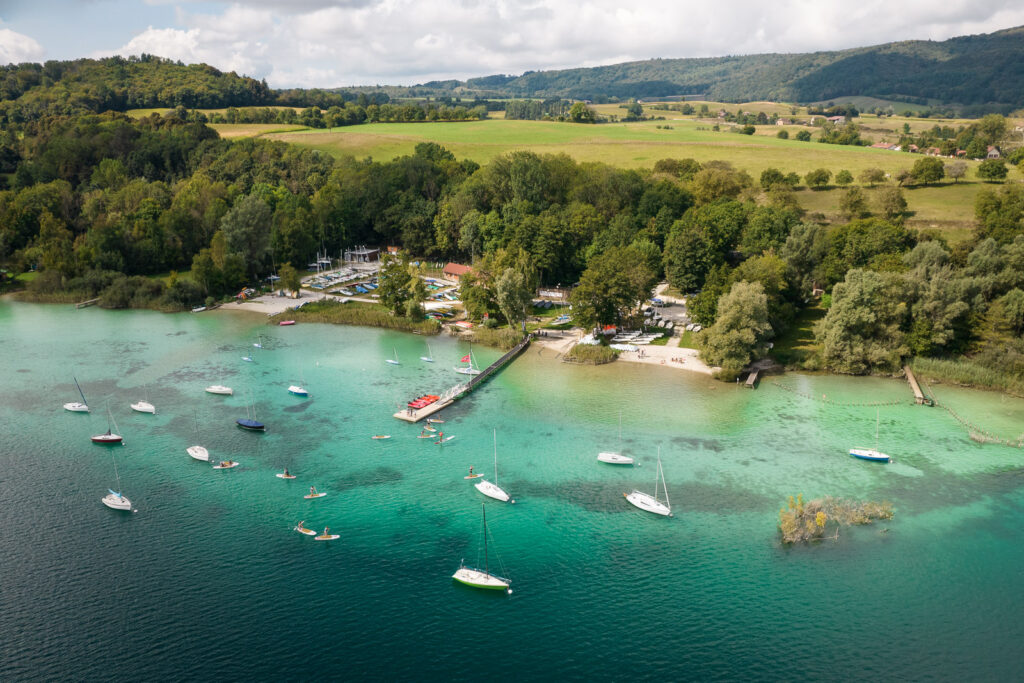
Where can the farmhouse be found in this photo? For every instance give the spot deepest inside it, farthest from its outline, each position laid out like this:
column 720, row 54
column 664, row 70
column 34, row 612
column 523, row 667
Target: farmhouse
column 837, row 119
column 993, row 153
column 784, row 122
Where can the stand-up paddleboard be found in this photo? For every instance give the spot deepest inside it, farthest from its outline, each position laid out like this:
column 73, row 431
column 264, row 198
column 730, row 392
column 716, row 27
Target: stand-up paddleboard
column 284, row 475
column 445, row 439
column 303, row 530
column 429, row 429
column 381, row 436
column 326, row 536
column 434, row 420
column 313, row 493
column 225, row 465
column 426, row 436
column 474, row 476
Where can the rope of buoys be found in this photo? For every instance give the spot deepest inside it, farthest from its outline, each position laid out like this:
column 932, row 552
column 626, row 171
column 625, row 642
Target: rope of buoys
column 845, row 404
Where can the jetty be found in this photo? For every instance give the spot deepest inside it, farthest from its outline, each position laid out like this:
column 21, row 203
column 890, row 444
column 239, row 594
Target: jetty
column 919, row 396
column 459, row 390
column 85, row 304
column 752, row 379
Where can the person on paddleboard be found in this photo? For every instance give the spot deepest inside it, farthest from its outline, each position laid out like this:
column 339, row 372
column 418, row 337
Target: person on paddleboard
column 471, row 470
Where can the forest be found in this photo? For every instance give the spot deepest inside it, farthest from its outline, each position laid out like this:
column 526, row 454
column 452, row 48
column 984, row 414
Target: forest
column 105, row 205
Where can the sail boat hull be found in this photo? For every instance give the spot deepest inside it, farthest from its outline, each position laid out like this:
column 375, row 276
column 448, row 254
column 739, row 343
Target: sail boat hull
column 648, row 503
column 467, row 370
column 116, row 501
column 615, row 458
column 492, row 490
column 108, row 439
column 477, row 578
column 251, row 425
column 869, row 454
column 144, row 407
column 76, row 407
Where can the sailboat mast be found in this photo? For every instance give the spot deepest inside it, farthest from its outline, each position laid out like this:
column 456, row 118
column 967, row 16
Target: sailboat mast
column 80, row 392
column 116, row 475
column 495, row 457
column 487, row 569
column 876, row 427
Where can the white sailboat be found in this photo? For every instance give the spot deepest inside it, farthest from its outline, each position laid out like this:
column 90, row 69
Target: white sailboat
column 616, row 457
column 491, row 489
column 393, row 361
column 144, row 406
column 429, row 358
column 470, row 367
column 75, row 406
column 299, row 389
column 115, row 500
column 198, row 452
column 649, row 503
column 220, row 390
column 481, row 578
column 872, row 454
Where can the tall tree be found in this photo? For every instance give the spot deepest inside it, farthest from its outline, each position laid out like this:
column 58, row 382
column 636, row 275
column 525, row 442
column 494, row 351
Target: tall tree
column 741, row 330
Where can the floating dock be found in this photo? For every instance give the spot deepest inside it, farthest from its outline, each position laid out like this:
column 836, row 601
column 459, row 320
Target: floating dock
column 459, row 390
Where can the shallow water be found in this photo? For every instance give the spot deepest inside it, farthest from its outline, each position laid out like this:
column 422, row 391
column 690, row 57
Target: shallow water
column 208, row 581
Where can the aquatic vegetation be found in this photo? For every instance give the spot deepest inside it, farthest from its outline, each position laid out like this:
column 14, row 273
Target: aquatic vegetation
column 801, row 522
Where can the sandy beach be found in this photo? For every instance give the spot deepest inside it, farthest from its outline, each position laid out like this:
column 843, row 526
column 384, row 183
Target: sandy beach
column 666, row 356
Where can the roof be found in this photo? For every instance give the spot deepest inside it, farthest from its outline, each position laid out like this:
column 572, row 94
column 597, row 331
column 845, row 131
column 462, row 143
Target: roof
column 456, row 269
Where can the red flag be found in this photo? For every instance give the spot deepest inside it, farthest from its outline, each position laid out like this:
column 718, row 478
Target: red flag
column 465, row 359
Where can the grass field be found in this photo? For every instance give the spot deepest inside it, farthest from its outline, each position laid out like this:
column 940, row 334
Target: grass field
column 631, row 145
column 251, row 130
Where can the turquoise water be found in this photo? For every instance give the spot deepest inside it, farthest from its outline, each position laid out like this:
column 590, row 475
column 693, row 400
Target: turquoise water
column 208, row 581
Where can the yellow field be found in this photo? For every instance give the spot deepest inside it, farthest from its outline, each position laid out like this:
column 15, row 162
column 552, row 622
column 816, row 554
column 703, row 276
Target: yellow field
column 250, row 130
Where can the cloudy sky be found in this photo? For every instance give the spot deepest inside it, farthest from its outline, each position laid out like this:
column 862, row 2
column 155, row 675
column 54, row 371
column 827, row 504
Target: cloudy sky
column 330, row 43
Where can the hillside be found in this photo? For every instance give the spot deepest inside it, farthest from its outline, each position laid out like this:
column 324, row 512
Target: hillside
column 978, row 73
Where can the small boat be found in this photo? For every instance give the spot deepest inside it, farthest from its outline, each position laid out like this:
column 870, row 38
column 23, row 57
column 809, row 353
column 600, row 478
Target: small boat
column 303, row 530
column 470, row 367
column 115, row 500
column 616, row 457
column 429, row 358
column 199, row 309
column 381, row 436
column 313, row 493
column 247, row 359
column 75, row 406
column 871, row 454
column 258, row 344
column 649, row 503
column 297, row 390
column 285, row 475
column 220, row 390
column 225, row 465
column 249, row 422
column 108, row 438
column 325, row 536
column 481, row 578
column 393, row 361
column 286, row 323
column 491, row 489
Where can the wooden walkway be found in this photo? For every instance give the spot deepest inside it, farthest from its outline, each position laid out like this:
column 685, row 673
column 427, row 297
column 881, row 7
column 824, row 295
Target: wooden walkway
column 459, row 390
column 90, row 302
column 752, row 379
column 919, row 396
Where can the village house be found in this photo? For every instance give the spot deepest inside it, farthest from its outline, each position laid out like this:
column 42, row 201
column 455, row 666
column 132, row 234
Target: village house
column 837, row 120
column 455, row 271
column 993, row 153
column 783, row 122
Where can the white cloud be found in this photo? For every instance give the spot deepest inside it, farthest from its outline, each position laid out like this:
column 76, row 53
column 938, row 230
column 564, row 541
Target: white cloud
column 16, row 48
column 327, row 44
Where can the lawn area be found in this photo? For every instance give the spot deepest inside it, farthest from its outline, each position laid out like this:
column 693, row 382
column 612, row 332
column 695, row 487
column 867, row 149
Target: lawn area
column 687, row 340
column 796, row 344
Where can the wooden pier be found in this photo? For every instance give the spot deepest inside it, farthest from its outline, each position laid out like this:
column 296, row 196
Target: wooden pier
column 459, row 390
column 90, row 302
column 752, row 379
column 919, row 396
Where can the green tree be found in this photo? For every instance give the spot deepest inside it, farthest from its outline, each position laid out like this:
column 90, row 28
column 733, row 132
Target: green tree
column 770, row 177
column 741, row 330
column 782, row 135
column 891, row 202
column 747, row 130
column 818, row 178
column 844, row 178
column 395, row 283
column 928, row 170
column 612, row 288
column 862, row 330
column 717, row 182
column 992, row 170
column 871, row 176
column 513, row 293
column 290, row 280
column 803, row 135
column 688, row 257
column 581, row 113
column 246, row 229
column 1012, row 304
column 853, row 203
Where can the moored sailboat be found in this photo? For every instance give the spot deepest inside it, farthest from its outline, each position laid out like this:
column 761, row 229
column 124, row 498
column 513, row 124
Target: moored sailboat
column 872, row 454
column 482, row 578
column 470, row 367
column 616, row 457
column 115, row 500
column 649, row 503
column 108, row 438
column 489, row 488
column 75, row 406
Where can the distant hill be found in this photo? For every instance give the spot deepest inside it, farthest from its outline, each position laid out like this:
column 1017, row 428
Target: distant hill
column 983, row 72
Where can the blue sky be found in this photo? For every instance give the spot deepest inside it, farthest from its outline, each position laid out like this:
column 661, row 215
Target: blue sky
column 329, row 43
